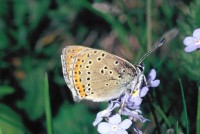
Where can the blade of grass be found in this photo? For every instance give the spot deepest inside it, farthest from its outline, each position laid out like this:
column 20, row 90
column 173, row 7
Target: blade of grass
column 1, row 131
column 198, row 111
column 157, row 108
column 47, row 106
column 184, row 108
column 177, row 129
column 129, row 20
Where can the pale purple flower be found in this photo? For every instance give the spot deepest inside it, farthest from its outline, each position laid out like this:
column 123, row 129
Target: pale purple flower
column 134, row 115
column 192, row 43
column 128, row 105
column 105, row 113
column 151, row 79
column 144, row 91
column 135, row 99
column 137, row 130
column 132, row 101
column 114, row 125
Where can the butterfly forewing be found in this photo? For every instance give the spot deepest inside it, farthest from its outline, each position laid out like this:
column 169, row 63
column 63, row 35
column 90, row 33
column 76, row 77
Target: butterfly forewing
column 100, row 76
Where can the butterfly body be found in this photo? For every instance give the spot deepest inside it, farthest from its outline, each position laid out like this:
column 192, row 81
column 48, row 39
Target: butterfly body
column 96, row 75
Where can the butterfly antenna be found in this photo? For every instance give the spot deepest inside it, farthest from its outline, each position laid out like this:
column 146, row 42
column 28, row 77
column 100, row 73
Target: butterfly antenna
column 152, row 50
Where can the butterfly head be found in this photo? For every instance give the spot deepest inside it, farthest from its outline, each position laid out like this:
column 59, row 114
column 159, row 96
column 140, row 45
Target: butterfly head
column 140, row 78
column 140, row 67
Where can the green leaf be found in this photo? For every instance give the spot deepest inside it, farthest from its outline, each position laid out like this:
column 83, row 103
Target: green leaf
column 4, row 40
column 5, row 90
column 73, row 119
column 33, row 85
column 10, row 122
column 37, row 10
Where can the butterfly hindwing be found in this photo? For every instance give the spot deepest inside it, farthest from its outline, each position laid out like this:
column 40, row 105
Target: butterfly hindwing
column 68, row 58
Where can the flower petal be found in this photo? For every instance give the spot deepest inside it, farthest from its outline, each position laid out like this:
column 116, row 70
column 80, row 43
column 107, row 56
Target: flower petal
column 97, row 121
column 126, row 112
column 115, row 106
column 121, row 132
column 190, row 48
column 155, row 83
column 152, row 75
column 125, row 124
column 104, row 128
column 189, row 41
column 137, row 130
column 115, row 119
column 196, row 33
column 137, row 101
column 144, row 91
column 104, row 113
column 142, row 119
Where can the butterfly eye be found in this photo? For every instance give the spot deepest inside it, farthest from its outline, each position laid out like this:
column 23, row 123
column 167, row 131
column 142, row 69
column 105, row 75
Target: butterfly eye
column 140, row 67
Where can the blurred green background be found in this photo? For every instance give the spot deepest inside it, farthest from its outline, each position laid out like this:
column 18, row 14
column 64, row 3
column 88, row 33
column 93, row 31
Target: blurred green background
column 33, row 34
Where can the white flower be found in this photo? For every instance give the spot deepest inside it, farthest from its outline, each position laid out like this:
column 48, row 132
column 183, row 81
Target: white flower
column 114, row 125
column 192, row 42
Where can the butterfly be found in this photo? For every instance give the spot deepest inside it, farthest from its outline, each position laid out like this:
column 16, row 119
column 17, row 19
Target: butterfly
column 96, row 75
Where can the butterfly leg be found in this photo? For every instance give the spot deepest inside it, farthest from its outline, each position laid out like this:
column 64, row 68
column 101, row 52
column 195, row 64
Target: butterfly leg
column 145, row 81
column 141, row 80
column 123, row 104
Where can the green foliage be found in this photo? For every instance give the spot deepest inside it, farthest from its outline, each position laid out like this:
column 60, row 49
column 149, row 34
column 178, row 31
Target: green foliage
column 73, row 120
column 5, row 90
column 184, row 108
column 47, row 106
column 198, row 111
column 10, row 121
column 33, row 103
column 33, row 34
column 189, row 63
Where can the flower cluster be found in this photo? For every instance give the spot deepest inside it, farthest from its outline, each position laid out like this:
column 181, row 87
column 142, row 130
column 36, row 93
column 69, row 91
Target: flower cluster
column 110, row 122
column 192, row 43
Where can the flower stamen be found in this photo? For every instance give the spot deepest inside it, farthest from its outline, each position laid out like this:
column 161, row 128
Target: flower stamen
column 135, row 93
column 114, row 127
column 197, row 41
